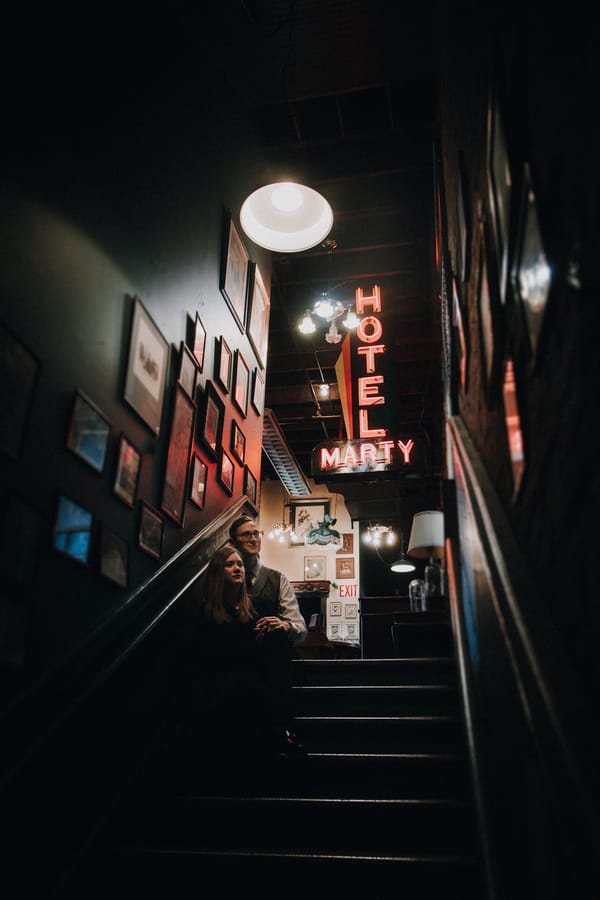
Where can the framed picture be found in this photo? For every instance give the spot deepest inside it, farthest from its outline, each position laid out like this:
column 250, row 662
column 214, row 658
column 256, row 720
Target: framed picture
column 500, row 184
column 258, row 317
column 250, row 487
column 196, row 339
column 334, row 631
column 225, row 472
column 351, row 610
column 198, row 473
column 147, row 366
column 241, row 383
column 488, row 314
column 347, row 543
column 460, row 341
column 19, row 371
column 114, row 553
column 463, row 254
column 304, row 516
column 88, row 432
column 214, row 415
column 234, row 273
column 258, row 391
column 72, row 530
column 531, row 276
column 129, row 461
column 335, row 608
column 238, row 442
column 188, row 370
column 150, row 533
column 344, row 567
column 351, row 631
column 178, row 455
column 223, row 364
column 514, row 432
column 315, row 568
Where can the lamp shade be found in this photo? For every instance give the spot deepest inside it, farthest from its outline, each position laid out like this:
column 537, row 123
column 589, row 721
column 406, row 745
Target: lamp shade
column 286, row 217
column 427, row 534
column 402, row 564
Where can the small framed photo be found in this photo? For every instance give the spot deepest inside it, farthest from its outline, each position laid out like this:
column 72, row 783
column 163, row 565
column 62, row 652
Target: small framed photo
column 114, row 553
column 150, row 533
column 315, row 568
column 258, row 391
column 347, row 543
column 238, row 442
column 335, row 608
column 351, row 631
column 223, row 364
column 344, row 567
column 351, row 610
column 241, row 383
column 147, row 366
column 250, row 487
column 88, row 433
column 234, row 272
column 19, row 371
column 72, row 530
column 225, row 472
column 188, row 370
column 258, row 317
column 129, row 461
column 214, row 415
column 196, row 339
column 334, row 632
column 178, row 455
column 198, row 473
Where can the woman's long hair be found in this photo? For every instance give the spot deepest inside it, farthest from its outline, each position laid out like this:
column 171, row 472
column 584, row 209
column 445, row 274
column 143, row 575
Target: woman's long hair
column 212, row 601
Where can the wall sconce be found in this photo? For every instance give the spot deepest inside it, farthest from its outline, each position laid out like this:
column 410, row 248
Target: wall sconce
column 427, row 542
column 286, row 217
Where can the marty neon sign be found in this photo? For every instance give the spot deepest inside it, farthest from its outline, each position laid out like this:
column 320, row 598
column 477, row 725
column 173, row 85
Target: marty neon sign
column 364, row 456
column 372, row 351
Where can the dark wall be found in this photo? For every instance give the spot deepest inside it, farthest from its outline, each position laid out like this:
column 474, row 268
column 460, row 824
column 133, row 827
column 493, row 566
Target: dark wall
column 121, row 156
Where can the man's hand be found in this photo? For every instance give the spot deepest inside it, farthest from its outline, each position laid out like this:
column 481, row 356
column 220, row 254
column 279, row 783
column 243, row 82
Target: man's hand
column 271, row 623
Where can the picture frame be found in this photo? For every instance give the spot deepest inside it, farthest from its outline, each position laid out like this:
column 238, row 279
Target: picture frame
column 151, row 528
column 334, row 631
column 188, row 370
column 251, row 487
column 347, row 543
column 114, row 557
column 214, row 415
column 258, row 315
column 463, row 254
column 198, row 478
column 531, row 275
column 241, row 383
column 315, row 568
column 234, row 272
column 147, row 366
column 514, row 431
column 351, row 631
column 72, row 530
column 335, row 608
column 19, row 374
column 460, row 337
column 238, row 442
column 88, row 432
column 488, row 309
column 226, row 472
column 196, row 339
column 223, row 364
column 344, row 567
column 178, row 455
column 129, row 461
column 258, row 391
column 351, row 610
column 499, row 189
column 304, row 516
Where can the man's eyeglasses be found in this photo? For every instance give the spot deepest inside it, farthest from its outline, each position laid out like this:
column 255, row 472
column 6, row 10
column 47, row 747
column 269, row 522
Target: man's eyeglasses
column 250, row 535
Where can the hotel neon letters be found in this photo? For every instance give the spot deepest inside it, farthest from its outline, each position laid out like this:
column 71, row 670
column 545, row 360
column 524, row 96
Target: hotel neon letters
column 369, row 331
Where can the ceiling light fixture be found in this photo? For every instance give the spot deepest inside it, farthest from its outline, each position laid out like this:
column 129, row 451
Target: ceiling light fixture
column 286, row 217
column 327, row 309
column 376, row 535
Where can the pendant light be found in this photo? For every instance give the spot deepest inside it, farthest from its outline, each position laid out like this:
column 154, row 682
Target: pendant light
column 286, row 217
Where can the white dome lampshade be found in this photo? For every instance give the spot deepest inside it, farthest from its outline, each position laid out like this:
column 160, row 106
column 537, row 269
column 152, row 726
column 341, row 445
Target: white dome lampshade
column 286, row 217
column 427, row 535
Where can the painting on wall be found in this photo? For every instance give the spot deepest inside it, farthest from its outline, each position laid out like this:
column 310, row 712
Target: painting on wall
column 188, row 370
column 500, row 185
column 198, row 473
column 147, row 366
column 214, row 415
column 258, row 318
column 344, row 568
column 150, row 533
column 72, row 530
column 178, row 454
column 304, row 516
column 19, row 371
column 241, row 383
column 129, row 460
column 196, row 339
column 234, row 272
column 315, row 568
column 88, row 433
column 114, row 553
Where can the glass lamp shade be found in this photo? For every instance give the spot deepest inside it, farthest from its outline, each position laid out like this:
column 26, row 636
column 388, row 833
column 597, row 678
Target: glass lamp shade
column 286, row 217
column 427, row 535
column 403, row 564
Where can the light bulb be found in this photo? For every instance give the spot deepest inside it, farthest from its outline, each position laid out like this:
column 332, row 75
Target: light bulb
column 351, row 320
column 307, row 326
column 323, row 308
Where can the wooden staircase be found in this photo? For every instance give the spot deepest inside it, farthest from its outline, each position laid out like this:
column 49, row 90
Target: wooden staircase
column 380, row 803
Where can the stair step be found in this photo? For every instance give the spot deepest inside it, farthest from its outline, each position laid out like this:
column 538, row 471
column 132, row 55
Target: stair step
column 376, row 700
column 417, row 670
column 404, row 734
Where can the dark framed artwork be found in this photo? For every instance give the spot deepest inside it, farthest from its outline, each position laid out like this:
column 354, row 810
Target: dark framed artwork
column 304, row 516
column 196, row 339
column 88, row 432
column 19, row 372
column 463, row 255
column 72, row 531
column 487, row 304
column 214, row 416
column 223, row 364
column 258, row 391
column 225, row 472
column 347, row 543
column 514, row 432
column 238, row 442
column 251, row 487
column 198, row 474
column 147, row 367
column 234, row 272
column 460, row 337
column 500, row 186
column 178, row 454
column 150, row 533
column 129, row 461
column 188, row 370
column 531, row 276
column 114, row 557
column 258, row 316
column 241, row 385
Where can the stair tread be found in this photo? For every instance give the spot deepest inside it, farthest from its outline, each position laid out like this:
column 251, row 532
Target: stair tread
column 420, row 857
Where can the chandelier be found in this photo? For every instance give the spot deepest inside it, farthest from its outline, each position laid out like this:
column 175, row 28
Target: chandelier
column 376, row 535
column 279, row 531
column 328, row 310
